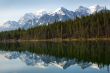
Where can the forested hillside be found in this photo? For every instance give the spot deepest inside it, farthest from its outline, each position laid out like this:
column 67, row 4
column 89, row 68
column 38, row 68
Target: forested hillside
column 96, row 25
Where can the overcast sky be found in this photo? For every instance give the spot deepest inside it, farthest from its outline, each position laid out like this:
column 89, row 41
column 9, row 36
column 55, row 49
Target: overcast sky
column 14, row 9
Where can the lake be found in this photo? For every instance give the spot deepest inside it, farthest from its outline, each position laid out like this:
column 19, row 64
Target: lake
column 55, row 57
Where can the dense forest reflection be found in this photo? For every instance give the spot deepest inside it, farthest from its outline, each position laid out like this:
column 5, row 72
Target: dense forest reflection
column 86, row 51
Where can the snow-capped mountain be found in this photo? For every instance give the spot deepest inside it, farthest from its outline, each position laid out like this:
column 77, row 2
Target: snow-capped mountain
column 96, row 8
column 10, row 25
column 82, row 11
column 28, row 20
column 61, row 14
column 64, row 12
column 31, row 20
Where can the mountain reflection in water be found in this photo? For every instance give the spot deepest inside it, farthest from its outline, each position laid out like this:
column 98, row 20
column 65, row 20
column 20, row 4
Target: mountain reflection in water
column 33, row 59
column 63, row 55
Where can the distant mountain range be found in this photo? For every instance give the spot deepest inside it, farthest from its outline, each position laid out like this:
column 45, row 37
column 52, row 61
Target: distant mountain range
column 30, row 20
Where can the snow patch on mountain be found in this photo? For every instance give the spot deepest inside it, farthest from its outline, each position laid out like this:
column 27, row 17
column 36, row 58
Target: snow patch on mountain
column 96, row 8
column 60, row 11
column 41, row 12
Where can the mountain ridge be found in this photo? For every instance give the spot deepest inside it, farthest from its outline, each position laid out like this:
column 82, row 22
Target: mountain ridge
column 30, row 20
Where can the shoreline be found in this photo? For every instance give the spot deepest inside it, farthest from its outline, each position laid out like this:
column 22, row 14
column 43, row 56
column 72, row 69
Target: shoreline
column 59, row 40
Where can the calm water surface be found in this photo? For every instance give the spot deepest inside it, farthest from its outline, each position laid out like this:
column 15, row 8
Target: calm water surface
column 51, row 57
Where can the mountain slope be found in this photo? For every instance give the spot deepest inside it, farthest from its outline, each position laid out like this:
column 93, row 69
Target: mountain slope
column 82, row 11
column 10, row 25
